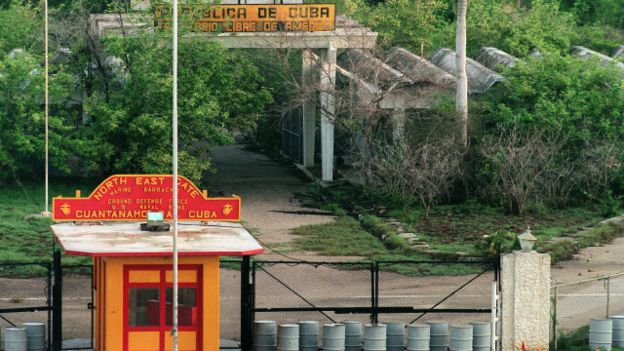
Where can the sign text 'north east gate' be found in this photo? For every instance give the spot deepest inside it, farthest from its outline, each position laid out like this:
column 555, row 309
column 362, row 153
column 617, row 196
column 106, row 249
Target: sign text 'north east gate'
column 250, row 18
column 130, row 197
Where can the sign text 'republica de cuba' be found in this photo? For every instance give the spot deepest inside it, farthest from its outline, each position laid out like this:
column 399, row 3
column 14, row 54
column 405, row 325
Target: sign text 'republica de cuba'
column 249, row 18
column 129, row 198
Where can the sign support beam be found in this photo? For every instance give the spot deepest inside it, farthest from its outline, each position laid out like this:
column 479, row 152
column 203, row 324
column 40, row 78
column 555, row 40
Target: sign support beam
column 309, row 106
column 328, row 109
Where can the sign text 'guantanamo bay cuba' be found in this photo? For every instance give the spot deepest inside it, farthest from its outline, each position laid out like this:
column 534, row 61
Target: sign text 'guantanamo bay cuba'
column 130, row 197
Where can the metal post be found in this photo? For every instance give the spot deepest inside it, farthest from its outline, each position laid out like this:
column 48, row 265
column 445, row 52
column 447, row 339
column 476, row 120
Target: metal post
column 493, row 316
column 57, row 304
column 372, row 279
column 375, row 314
column 46, row 212
column 554, row 331
column 174, row 329
column 246, row 322
column 49, row 303
column 608, row 296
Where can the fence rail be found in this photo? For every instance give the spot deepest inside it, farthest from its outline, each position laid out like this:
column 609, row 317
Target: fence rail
column 579, row 301
column 61, row 295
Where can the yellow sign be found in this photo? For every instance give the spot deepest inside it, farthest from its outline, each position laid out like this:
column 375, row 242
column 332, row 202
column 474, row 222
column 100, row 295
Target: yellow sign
column 250, row 18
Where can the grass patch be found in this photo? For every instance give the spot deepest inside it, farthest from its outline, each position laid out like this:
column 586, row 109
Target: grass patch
column 451, row 228
column 565, row 249
column 25, row 236
column 577, row 340
column 345, row 237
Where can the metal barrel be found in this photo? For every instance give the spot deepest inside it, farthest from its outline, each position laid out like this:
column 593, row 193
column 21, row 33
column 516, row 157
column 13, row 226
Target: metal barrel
column 265, row 335
column 353, row 335
column 35, row 336
column 600, row 334
column 418, row 337
column 618, row 331
column 14, row 339
column 438, row 336
column 461, row 338
column 288, row 337
column 395, row 336
column 481, row 336
column 334, row 337
column 308, row 335
column 375, row 337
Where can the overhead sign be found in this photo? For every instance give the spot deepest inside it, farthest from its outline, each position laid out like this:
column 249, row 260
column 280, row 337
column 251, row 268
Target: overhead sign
column 249, row 18
column 129, row 198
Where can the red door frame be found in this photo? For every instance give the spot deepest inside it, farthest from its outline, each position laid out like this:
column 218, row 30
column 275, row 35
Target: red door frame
column 162, row 285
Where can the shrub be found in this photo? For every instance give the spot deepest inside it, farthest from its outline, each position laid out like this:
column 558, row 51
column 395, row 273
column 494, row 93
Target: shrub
column 575, row 106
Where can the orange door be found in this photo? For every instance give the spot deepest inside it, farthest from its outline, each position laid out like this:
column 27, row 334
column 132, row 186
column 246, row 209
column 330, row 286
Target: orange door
column 148, row 308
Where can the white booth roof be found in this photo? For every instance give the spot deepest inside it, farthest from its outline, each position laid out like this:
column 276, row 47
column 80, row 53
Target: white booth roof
column 126, row 239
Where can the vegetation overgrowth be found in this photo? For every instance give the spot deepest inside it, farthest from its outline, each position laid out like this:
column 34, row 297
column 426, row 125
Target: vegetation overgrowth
column 548, row 142
column 451, row 231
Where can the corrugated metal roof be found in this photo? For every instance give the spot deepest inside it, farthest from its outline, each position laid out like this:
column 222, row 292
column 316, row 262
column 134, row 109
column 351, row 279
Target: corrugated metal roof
column 480, row 78
column 619, row 52
column 418, row 69
column 585, row 53
column 494, row 58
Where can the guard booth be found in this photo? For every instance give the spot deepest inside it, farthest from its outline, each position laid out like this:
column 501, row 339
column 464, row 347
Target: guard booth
column 133, row 268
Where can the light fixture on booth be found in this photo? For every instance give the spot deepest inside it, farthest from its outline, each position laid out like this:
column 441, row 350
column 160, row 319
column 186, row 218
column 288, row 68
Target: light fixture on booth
column 527, row 240
column 155, row 223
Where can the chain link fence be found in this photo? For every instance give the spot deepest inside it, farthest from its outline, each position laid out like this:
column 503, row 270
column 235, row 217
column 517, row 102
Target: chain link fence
column 436, row 290
column 25, row 294
column 384, row 291
column 230, row 304
column 574, row 304
column 77, row 302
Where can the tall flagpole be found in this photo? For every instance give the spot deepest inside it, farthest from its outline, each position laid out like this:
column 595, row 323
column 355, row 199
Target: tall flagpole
column 46, row 212
column 175, row 176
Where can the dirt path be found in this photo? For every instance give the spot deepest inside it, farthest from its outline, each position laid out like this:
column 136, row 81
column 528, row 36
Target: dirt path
column 267, row 189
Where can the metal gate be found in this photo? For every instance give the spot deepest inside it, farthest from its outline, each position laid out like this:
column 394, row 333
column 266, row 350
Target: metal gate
column 292, row 134
column 59, row 296
column 381, row 291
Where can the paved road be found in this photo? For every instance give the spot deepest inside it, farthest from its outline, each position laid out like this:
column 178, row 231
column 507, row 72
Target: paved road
column 267, row 189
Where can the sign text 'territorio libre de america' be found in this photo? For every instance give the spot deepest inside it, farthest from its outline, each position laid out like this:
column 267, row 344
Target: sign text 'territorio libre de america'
column 249, row 18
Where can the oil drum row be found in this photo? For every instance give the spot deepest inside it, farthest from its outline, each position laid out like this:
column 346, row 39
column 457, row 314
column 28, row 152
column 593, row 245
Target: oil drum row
column 606, row 333
column 29, row 337
column 350, row 336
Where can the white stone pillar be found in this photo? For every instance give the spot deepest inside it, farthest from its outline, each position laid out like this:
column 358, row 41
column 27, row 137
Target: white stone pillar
column 525, row 312
column 328, row 108
column 309, row 106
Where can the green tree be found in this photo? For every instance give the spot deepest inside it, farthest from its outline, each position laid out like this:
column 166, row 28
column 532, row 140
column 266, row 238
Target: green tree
column 21, row 117
column 219, row 92
column 20, row 28
column 414, row 24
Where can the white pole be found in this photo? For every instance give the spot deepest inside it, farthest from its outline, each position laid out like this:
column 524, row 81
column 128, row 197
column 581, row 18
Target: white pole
column 46, row 212
column 494, row 317
column 174, row 330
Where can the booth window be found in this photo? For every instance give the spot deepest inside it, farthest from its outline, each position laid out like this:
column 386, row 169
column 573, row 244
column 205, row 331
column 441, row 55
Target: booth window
column 187, row 306
column 143, row 307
